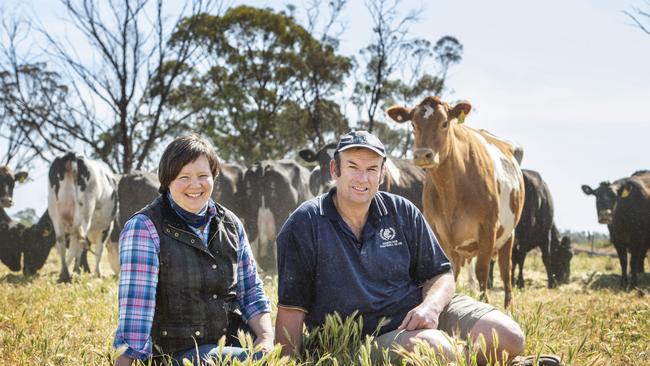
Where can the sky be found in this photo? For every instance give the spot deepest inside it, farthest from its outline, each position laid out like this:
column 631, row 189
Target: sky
column 567, row 80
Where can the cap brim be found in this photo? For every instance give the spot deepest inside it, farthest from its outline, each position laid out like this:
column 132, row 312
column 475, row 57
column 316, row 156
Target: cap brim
column 379, row 152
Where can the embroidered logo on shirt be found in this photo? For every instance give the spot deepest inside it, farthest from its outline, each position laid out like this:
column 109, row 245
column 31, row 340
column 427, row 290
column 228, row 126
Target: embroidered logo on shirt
column 388, row 236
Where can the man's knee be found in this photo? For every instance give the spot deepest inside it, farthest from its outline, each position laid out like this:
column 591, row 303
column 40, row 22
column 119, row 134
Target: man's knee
column 509, row 335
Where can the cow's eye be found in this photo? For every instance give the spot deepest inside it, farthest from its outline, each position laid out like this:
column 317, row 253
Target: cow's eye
column 445, row 124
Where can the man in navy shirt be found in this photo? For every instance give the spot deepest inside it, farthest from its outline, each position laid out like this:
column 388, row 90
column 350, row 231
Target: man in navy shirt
column 355, row 248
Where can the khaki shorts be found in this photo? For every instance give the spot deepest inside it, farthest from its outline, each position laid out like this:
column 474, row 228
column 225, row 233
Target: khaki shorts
column 456, row 319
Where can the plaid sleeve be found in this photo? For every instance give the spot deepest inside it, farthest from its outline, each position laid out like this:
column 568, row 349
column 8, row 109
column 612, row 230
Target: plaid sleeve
column 250, row 289
column 139, row 246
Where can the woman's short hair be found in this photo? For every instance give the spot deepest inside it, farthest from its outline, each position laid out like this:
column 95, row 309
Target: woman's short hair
column 182, row 151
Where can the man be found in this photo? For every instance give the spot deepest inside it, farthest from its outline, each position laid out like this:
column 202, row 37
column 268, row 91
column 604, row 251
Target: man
column 355, row 248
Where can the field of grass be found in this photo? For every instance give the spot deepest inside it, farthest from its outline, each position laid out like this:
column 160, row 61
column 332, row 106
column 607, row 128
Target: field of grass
column 589, row 321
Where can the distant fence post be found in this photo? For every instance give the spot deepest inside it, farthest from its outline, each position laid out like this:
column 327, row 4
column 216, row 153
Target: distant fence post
column 591, row 239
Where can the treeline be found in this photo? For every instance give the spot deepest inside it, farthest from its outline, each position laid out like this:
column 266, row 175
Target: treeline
column 262, row 83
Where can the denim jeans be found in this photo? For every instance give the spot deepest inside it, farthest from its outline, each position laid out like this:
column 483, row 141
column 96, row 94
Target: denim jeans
column 203, row 351
column 212, row 351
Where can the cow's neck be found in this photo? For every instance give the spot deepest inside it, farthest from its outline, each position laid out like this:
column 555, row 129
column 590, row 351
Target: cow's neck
column 3, row 215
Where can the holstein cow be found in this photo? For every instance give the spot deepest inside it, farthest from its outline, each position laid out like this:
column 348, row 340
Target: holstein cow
column 10, row 230
column 273, row 190
column 402, row 177
column 474, row 189
column 82, row 204
column 624, row 206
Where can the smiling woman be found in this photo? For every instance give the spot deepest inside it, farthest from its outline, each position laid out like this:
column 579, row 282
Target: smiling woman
column 187, row 275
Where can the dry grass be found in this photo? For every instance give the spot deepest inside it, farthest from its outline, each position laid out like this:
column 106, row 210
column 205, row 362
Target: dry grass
column 588, row 321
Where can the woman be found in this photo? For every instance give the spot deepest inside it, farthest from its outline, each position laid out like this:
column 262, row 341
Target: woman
column 187, row 273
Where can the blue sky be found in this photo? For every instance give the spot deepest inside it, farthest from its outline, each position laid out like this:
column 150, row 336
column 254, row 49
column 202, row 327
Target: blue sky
column 568, row 80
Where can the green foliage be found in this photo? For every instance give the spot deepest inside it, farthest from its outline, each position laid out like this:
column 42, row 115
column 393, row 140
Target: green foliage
column 26, row 217
column 254, row 91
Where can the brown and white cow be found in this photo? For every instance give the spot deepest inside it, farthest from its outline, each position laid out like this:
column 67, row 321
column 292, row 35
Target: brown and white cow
column 474, row 189
column 82, row 203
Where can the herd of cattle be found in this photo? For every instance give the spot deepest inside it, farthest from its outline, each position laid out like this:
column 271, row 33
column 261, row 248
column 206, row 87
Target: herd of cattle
column 468, row 183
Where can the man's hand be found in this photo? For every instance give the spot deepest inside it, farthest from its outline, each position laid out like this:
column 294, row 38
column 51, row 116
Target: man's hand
column 436, row 294
column 265, row 342
column 423, row 316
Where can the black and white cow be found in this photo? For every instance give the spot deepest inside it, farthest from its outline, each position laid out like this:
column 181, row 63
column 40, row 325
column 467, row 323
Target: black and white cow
column 402, row 176
column 10, row 230
column 82, row 203
column 624, row 206
column 273, row 189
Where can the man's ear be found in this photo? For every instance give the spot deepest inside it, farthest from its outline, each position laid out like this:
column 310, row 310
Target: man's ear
column 334, row 169
column 384, row 171
column 399, row 114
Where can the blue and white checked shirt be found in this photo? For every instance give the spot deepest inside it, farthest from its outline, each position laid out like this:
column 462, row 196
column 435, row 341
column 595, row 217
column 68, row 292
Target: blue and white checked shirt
column 139, row 247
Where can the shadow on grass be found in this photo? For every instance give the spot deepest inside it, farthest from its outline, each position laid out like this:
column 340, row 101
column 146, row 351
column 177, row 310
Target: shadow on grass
column 613, row 282
column 17, row 279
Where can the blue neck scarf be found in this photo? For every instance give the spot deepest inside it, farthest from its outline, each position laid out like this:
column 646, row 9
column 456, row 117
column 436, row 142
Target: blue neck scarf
column 195, row 220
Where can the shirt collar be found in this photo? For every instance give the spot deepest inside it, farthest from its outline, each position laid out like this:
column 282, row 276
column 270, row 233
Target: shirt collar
column 326, row 205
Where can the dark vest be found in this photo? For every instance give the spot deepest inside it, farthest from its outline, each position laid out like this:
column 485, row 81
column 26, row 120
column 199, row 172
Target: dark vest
column 196, row 292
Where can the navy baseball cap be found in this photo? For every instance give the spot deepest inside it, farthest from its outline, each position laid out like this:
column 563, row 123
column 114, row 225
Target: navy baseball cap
column 361, row 139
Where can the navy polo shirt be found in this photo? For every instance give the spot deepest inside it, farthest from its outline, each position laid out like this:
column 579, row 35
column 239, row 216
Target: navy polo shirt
column 324, row 269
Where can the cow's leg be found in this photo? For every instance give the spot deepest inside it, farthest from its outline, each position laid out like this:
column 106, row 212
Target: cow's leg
column 112, row 250
column 545, row 246
column 622, row 259
column 505, row 258
column 636, row 262
column 84, row 259
column 76, row 248
column 491, row 275
column 482, row 268
column 64, row 276
column 456, row 264
column 101, row 240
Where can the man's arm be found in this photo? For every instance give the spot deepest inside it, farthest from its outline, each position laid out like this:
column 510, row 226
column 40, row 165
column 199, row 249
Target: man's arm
column 289, row 323
column 436, row 294
column 262, row 325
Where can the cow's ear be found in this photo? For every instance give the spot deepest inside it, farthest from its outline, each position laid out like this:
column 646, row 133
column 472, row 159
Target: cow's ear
column 587, row 189
column 399, row 114
column 307, row 155
column 624, row 190
column 21, row 177
column 461, row 110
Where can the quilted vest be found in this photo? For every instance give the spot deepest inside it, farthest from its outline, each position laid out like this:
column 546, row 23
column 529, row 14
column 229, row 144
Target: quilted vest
column 196, row 292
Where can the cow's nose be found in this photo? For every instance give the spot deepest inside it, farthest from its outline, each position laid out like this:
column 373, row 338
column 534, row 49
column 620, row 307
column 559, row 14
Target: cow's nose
column 6, row 201
column 425, row 154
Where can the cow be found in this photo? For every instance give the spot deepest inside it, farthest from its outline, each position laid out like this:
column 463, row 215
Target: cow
column 36, row 243
column 402, row 177
column 473, row 191
column 624, row 206
column 228, row 188
column 273, row 189
column 561, row 254
column 10, row 230
column 534, row 227
column 82, row 203
column 135, row 190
